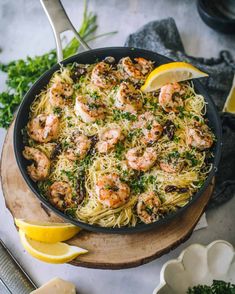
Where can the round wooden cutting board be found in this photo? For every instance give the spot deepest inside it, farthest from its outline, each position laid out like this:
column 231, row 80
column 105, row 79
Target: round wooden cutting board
column 106, row 251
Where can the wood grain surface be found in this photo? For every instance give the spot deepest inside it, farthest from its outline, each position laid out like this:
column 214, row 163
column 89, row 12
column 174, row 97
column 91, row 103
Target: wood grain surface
column 106, row 251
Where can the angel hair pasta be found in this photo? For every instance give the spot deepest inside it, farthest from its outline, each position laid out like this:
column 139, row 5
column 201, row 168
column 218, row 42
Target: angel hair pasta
column 108, row 154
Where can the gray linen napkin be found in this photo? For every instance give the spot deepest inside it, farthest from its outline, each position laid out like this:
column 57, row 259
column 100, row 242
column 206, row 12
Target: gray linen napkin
column 163, row 37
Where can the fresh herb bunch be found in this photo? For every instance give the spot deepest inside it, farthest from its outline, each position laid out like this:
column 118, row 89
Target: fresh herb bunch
column 217, row 287
column 21, row 74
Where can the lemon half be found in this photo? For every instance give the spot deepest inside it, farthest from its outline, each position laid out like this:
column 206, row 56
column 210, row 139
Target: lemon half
column 51, row 253
column 170, row 73
column 47, row 232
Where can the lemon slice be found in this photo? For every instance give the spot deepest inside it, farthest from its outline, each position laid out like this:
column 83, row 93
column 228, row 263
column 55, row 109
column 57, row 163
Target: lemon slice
column 47, row 232
column 170, row 73
column 51, row 253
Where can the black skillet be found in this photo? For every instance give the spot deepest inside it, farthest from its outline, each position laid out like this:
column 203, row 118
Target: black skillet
column 55, row 10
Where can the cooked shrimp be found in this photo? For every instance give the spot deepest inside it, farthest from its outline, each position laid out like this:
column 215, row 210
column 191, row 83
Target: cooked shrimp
column 43, row 128
column 61, row 196
column 199, row 136
column 40, row 168
column 151, row 129
column 148, row 206
column 111, row 191
column 152, row 133
column 109, row 138
column 80, row 145
column 171, row 164
column 145, row 65
column 127, row 98
column 103, row 75
column 58, row 93
column 88, row 109
column 135, row 71
column 141, row 159
column 169, row 97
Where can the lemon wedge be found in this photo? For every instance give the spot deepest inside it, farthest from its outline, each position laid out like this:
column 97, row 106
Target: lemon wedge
column 170, row 73
column 229, row 105
column 47, row 232
column 52, row 253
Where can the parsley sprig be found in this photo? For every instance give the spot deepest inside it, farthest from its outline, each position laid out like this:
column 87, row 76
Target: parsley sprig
column 22, row 73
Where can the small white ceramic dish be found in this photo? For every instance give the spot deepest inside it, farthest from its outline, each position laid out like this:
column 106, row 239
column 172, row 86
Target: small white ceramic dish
column 196, row 265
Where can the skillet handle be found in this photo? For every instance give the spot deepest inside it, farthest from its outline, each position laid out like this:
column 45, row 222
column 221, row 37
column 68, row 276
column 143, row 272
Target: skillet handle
column 60, row 23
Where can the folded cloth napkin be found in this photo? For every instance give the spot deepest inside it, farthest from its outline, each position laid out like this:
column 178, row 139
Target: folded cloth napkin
column 163, row 37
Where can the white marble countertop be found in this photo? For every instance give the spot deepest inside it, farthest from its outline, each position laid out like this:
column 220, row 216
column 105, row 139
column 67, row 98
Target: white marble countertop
column 24, row 30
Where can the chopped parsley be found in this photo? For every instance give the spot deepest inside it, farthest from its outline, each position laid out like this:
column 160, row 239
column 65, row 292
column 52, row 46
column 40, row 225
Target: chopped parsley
column 81, row 79
column 71, row 212
column 65, row 144
column 151, row 179
column 70, row 125
column 181, row 111
column 217, row 287
column 149, row 127
column 77, row 86
column 93, row 106
column 176, row 139
column 95, row 95
column 139, row 184
column 174, row 154
column 133, row 133
column 119, row 115
column 69, row 174
column 85, row 162
column 119, row 149
column 189, row 156
column 154, row 105
column 57, row 110
column 200, row 183
column 125, row 174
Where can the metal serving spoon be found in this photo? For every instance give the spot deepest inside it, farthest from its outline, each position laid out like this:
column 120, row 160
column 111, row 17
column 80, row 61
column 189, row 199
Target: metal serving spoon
column 60, row 23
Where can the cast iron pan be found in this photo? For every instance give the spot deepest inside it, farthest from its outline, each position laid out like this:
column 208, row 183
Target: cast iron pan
column 91, row 57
